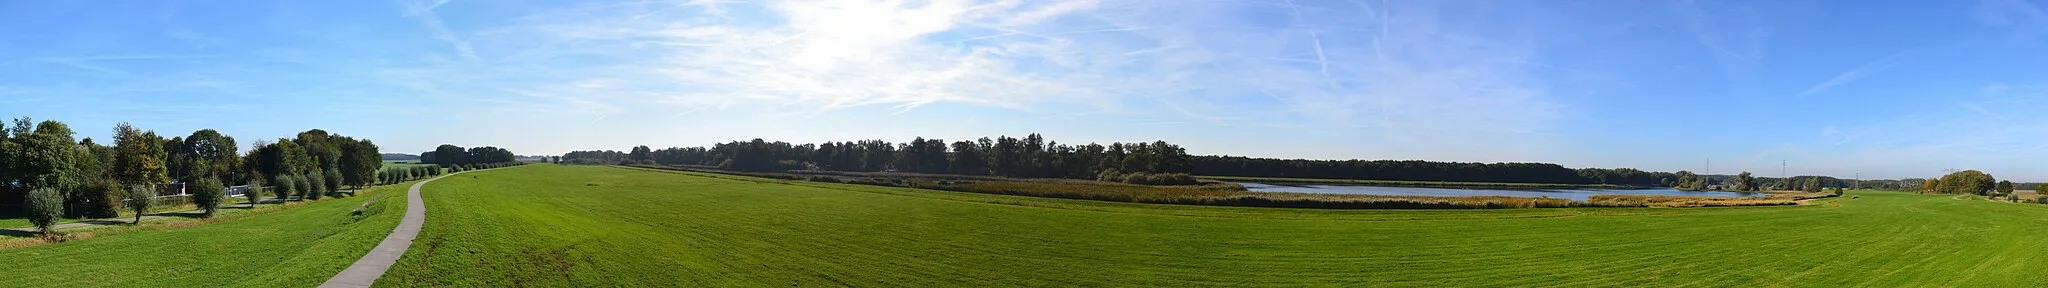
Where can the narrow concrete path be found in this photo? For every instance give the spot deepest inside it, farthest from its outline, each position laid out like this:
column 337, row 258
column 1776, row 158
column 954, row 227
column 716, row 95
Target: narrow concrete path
column 372, row 265
column 94, row 222
column 24, row 231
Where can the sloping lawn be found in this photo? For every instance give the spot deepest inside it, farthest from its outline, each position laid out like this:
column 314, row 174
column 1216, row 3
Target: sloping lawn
column 549, row 225
column 291, row 247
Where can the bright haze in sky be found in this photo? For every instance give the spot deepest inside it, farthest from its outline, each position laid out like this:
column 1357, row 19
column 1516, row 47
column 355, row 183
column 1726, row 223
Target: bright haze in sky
column 1884, row 89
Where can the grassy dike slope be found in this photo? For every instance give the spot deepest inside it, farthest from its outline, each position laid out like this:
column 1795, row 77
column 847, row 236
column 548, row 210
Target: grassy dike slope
column 295, row 247
column 604, row 226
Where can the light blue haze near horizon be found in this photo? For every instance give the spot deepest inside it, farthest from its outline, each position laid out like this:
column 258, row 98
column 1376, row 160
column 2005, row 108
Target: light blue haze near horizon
column 1885, row 89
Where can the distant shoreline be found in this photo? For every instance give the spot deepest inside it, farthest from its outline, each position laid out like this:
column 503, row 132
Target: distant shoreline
column 1402, row 183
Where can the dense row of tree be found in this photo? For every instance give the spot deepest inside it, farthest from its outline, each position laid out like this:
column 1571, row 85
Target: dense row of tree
column 450, row 155
column 1416, row 170
column 325, row 156
column 1033, row 156
column 394, row 176
column 1030, row 156
column 42, row 162
column 1965, row 182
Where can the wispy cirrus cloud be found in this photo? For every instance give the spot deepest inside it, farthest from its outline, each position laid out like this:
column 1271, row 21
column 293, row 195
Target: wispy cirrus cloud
column 1406, row 72
column 1857, row 73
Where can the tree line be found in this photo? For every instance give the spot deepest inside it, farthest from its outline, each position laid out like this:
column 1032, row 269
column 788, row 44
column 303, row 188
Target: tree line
column 1031, row 156
column 46, row 172
column 448, row 155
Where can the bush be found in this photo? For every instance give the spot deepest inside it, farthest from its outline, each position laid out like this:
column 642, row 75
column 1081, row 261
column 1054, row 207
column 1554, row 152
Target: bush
column 1110, row 175
column 285, row 188
column 255, row 193
column 208, row 194
column 140, row 197
column 316, row 188
column 826, row 179
column 44, row 205
column 333, row 178
column 301, row 187
column 1143, row 178
column 105, row 196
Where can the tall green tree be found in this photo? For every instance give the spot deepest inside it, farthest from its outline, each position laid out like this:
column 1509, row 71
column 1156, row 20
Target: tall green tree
column 139, row 156
column 46, row 156
column 360, row 162
column 209, row 154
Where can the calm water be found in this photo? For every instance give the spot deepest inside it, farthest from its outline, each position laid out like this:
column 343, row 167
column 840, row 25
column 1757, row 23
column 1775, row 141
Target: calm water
column 1574, row 194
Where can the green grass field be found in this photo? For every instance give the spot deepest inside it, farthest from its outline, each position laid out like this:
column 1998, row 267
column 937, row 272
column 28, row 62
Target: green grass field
column 293, row 247
column 549, row 225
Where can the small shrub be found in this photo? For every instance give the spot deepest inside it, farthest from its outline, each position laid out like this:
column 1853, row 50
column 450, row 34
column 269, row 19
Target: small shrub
column 1110, row 175
column 333, row 178
column 208, row 194
column 286, row 188
column 302, row 186
column 255, row 193
column 315, row 187
column 140, row 198
column 44, row 206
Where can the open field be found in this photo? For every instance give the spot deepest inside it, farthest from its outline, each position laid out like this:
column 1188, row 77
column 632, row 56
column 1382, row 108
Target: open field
column 292, row 247
column 1405, row 183
column 1212, row 193
column 550, row 225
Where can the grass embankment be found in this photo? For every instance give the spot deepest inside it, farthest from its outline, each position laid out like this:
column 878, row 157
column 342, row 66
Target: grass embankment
column 1399, row 183
column 293, row 245
column 549, row 225
column 1214, row 193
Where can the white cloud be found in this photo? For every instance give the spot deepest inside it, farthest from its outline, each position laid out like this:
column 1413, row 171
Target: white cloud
column 1856, row 74
column 1439, row 78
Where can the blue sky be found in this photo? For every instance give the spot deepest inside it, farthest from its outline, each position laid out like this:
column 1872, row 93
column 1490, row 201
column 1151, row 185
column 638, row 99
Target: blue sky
column 1883, row 89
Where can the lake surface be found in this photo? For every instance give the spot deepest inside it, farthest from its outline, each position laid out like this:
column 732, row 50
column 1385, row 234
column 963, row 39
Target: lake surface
column 1574, row 194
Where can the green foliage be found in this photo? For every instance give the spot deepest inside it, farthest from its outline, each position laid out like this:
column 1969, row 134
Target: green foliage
column 360, row 162
column 287, row 187
column 255, row 193
column 45, row 157
column 1687, row 181
column 1966, row 182
column 1745, row 182
column 105, row 197
column 2004, row 187
column 208, row 193
column 139, row 157
column 333, row 181
column 44, row 206
column 1812, row 185
column 140, row 198
column 204, row 154
column 314, row 187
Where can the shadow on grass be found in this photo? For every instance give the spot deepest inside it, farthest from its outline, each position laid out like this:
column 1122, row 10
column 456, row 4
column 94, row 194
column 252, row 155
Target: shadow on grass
column 186, row 214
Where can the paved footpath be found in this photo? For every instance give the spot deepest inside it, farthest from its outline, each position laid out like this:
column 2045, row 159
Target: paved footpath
column 373, row 265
